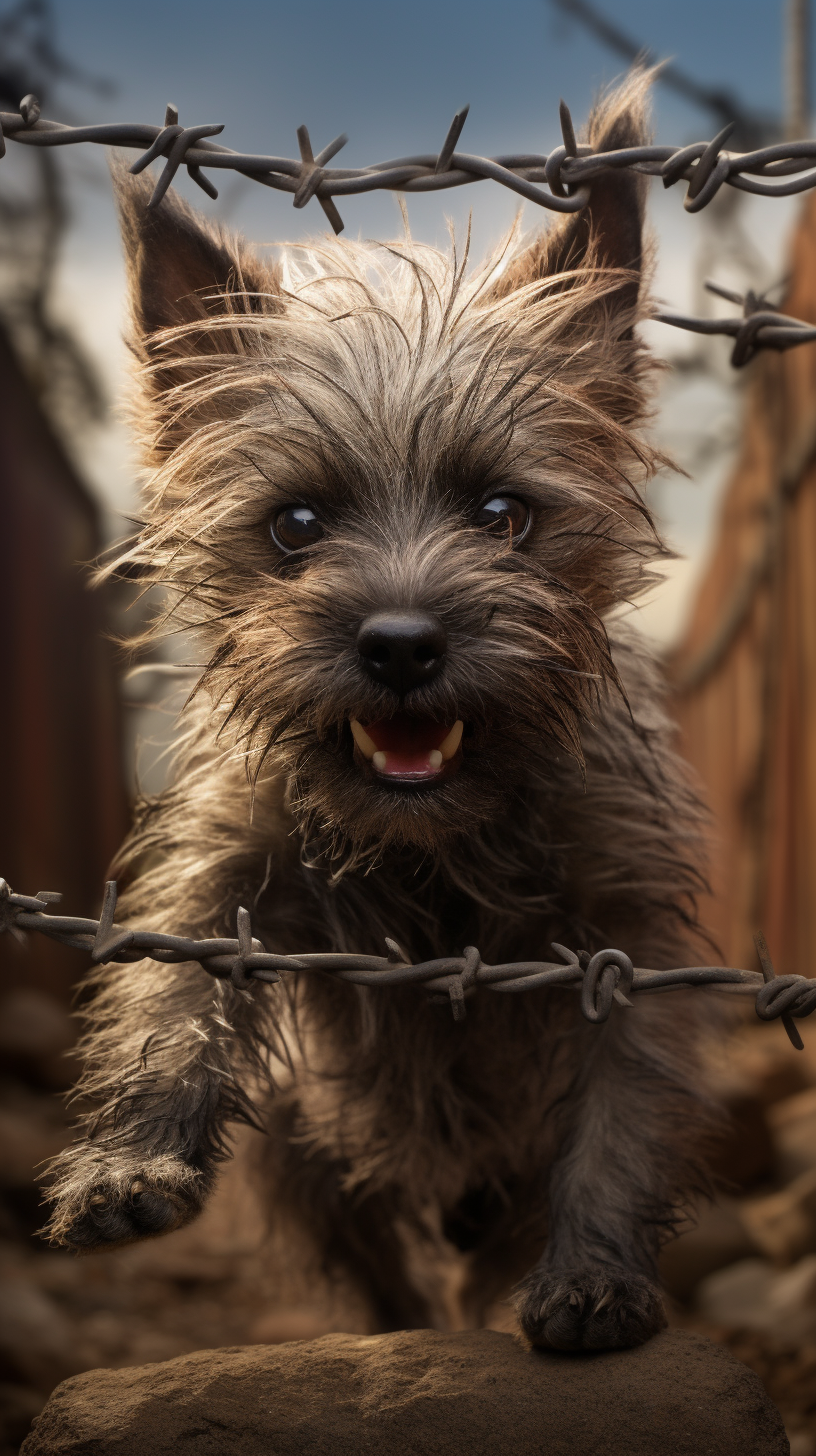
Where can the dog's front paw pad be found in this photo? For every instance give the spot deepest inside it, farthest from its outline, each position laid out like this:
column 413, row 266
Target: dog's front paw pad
column 117, row 1205
column 116, row 1215
column 592, row 1310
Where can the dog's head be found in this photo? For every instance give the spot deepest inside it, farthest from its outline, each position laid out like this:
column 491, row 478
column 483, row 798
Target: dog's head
column 397, row 499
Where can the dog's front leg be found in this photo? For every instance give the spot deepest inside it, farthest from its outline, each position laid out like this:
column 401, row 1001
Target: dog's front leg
column 630, row 1128
column 159, row 1075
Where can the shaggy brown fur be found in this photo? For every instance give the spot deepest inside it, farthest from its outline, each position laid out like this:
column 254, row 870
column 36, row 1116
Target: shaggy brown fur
column 393, row 394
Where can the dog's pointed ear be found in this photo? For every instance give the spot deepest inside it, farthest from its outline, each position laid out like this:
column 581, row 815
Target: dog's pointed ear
column 181, row 268
column 608, row 232
column 185, row 274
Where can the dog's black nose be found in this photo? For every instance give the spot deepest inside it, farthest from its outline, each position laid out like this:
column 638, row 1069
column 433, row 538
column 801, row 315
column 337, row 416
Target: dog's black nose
column 404, row 650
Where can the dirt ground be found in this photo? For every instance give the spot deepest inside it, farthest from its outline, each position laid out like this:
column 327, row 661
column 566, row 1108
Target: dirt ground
column 745, row 1275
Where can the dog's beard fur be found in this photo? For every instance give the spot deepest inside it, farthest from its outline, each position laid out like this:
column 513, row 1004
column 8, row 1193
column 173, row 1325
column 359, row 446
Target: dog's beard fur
column 393, row 393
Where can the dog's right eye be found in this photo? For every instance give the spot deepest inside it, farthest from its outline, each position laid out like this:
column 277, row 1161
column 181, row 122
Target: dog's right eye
column 294, row 527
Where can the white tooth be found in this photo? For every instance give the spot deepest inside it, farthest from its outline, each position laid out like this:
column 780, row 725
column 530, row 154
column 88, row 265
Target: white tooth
column 366, row 745
column 454, row 738
column 435, row 758
column 379, row 760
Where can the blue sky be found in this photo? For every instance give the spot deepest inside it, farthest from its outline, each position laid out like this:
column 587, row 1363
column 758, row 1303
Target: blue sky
column 391, row 76
column 381, row 65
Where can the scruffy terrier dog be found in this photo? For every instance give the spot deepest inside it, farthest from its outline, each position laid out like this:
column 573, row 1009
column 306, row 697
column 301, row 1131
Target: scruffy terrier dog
column 399, row 504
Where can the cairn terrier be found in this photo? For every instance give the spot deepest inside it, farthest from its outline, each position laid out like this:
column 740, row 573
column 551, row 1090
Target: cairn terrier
column 399, row 503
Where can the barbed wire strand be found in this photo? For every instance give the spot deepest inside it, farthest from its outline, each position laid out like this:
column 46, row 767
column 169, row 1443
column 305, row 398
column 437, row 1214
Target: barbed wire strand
column 602, row 979
column 559, row 181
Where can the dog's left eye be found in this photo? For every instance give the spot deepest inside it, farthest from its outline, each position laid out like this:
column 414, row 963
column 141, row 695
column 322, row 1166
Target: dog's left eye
column 294, row 527
column 505, row 515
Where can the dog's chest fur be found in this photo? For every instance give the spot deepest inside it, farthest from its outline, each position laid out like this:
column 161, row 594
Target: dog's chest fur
column 387, row 1084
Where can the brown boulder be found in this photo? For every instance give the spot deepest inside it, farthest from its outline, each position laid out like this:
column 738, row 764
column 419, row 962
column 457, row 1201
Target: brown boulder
column 783, row 1225
column 718, row 1238
column 422, row 1393
column 793, row 1128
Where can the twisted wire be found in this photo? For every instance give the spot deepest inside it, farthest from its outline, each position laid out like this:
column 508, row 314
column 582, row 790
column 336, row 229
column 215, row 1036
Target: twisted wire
column 606, row 978
column 559, row 181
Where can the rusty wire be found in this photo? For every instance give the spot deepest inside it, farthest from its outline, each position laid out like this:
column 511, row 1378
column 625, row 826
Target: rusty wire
column 560, row 181
column 604, row 978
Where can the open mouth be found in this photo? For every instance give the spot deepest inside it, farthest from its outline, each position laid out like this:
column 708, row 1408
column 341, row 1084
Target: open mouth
column 409, row 749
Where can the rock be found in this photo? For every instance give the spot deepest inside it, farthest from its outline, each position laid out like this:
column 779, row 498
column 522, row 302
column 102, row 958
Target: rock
column 788, row 1374
column 719, row 1237
column 760, row 1059
column 737, row 1297
column 418, row 1393
column 745, row 1082
column 754, row 1295
column 793, row 1129
column 744, row 1153
column 783, row 1225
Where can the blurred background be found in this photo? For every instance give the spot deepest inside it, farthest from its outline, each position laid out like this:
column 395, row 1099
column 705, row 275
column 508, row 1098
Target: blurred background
column 734, row 617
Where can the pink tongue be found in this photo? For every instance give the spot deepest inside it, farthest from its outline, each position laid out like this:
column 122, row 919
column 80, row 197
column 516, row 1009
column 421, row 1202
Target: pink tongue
column 407, row 744
column 403, row 765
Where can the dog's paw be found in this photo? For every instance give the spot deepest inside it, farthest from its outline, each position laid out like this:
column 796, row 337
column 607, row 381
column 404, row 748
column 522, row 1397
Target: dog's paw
column 595, row 1309
column 102, row 1202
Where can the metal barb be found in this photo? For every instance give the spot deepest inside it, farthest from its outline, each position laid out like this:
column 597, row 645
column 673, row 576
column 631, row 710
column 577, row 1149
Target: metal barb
column 760, row 327
column 603, row 979
column 30, row 110
column 240, row 977
column 567, row 130
column 781, row 170
column 708, row 174
column 109, row 939
column 764, row 955
column 312, row 172
column 728, row 293
column 179, row 147
column 443, row 161
column 769, row 976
